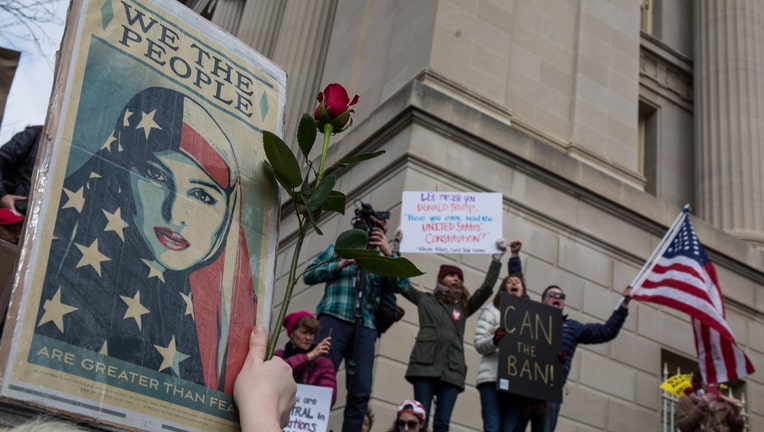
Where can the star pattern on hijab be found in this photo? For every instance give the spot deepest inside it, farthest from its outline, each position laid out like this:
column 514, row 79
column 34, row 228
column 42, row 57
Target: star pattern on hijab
column 55, row 311
column 155, row 269
column 135, row 309
column 147, row 123
column 91, row 256
column 171, row 358
column 115, row 222
column 75, row 200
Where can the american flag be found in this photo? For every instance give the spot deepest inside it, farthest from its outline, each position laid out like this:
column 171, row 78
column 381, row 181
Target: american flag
column 682, row 277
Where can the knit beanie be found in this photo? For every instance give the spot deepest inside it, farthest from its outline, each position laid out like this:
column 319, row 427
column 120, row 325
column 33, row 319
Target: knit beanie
column 291, row 320
column 448, row 269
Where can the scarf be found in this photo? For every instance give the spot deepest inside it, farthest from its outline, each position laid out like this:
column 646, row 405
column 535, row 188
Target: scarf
column 289, row 351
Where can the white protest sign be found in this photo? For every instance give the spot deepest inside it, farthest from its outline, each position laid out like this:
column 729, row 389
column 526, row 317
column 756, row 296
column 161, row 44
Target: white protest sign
column 451, row 222
column 311, row 412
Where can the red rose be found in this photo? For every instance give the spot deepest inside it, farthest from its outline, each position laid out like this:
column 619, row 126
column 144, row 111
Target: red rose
column 334, row 107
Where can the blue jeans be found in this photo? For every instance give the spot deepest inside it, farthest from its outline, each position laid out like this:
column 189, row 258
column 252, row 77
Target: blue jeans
column 500, row 410
column 550, row 416
column 542, row 422
column 424, row 390
column 358, row 353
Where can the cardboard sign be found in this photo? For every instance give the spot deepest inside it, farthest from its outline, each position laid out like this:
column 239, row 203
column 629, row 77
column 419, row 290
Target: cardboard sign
column 451, row 222
column 311, row 411
column 152, row 249
column 528, row 361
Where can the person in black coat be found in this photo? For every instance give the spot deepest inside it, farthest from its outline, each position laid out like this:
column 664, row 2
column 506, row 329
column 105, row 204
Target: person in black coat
column 17, row 158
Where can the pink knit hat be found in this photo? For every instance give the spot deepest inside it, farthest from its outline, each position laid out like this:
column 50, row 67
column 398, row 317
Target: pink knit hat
column 291, row 320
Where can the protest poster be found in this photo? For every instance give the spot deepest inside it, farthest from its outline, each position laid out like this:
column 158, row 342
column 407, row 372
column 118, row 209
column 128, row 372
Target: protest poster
column 150, row 250
column 451, row 222
column 311, row 410
column 528, row 361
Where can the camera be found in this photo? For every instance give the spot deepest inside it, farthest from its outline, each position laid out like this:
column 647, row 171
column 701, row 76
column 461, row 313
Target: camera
column 367, row 219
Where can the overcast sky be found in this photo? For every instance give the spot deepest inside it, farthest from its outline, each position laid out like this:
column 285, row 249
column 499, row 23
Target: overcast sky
column 30, row 91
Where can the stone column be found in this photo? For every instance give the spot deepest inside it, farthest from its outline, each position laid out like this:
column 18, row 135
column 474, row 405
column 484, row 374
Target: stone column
column 260, row 24
column 729, row 115
column 300, row 49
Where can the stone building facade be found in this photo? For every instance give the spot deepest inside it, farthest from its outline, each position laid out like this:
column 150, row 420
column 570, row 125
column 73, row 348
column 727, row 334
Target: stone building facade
column 596, row 120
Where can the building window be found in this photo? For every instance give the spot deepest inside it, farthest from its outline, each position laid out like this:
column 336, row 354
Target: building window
column 646, row 16
column 648, row 145
column 674, row 364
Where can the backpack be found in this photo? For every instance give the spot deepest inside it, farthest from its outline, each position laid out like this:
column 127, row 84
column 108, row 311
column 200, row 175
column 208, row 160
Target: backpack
column 388, row 312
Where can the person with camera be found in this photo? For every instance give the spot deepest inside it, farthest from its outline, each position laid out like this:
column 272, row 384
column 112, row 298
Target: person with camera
column 346, row 312
column 437, row 367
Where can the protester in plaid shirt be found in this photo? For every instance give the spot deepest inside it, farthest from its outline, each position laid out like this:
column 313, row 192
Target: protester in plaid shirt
column 337, row 311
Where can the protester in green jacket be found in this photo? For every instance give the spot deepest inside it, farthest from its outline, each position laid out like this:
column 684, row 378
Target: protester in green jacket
column 436, row 367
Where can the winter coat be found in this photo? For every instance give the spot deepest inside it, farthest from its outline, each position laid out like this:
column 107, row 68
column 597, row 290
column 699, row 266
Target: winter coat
column 488, row 322
column 17, row 158
column 439, row 348
column 719, row 417
column 319, row 373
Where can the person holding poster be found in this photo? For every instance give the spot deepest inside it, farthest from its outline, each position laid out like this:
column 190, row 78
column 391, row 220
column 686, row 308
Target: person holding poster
column 500, row 410
column 148, row 264
column 264, row 391
column 308, row 360
column 436, row 366
column 574, row 333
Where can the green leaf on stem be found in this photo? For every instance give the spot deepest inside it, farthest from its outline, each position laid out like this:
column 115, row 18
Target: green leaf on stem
column 280, row 179
column 358, row 158
column 282, row 160
column 321, row 192
column 372, row 261
column 306, row 134
column 335, row 202
column 352, row 239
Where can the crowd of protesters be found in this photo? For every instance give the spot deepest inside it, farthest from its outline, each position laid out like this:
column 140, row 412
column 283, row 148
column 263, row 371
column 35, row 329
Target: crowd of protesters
column 343, row 329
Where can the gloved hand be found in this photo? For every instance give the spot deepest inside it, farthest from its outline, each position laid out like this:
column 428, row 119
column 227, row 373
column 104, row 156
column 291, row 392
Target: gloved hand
column 502, row 245
column 515, row 246
column 562, row 357
column 497, row 335
column 396, row 242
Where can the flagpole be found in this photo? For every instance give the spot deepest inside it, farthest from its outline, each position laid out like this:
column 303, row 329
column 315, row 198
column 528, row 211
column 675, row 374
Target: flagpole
column 658, row 251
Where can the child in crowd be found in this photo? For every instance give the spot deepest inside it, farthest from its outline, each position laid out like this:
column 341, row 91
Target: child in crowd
column 410, row 417
column 436, row 366
column 500, row 410
column 308, row 360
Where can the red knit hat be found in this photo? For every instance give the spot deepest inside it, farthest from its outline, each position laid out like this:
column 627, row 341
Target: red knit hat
column 446, row 269
column 291, row 320
column 10, row 216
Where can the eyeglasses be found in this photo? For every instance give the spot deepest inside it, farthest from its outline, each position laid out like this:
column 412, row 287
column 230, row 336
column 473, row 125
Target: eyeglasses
column 555, row 294
column 412, row 424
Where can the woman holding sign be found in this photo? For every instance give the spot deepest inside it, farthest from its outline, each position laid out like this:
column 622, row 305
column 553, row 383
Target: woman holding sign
column 500, row 410
column 436, row 366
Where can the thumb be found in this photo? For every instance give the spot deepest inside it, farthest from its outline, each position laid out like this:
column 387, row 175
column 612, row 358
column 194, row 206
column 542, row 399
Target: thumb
column 258, row 342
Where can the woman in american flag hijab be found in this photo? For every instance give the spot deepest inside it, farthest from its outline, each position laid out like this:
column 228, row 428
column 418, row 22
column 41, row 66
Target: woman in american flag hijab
column 149, row 263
